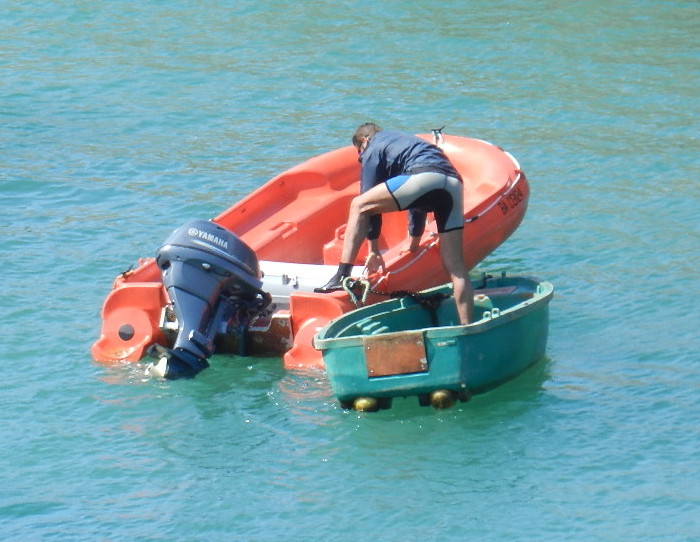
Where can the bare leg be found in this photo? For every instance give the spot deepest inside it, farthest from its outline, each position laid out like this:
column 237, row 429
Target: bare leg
column 375, row 201
column 452, row 254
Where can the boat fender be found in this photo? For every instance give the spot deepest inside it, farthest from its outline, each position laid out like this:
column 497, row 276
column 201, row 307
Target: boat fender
column 441, row 399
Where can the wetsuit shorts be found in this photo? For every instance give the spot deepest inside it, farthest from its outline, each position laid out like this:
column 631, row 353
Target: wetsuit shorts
column 434, row 192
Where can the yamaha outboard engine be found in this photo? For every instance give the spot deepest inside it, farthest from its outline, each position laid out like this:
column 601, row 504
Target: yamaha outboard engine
column 213, row 282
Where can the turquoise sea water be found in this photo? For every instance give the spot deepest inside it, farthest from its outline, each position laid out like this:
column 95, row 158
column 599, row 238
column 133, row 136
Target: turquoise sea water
column 120, row 120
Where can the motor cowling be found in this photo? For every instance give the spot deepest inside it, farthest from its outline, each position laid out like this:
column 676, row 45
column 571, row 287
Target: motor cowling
column 213, row 281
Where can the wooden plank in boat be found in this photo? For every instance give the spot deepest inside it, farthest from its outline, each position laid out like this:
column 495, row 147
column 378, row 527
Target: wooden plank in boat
column 504, row 290
column 395, row 354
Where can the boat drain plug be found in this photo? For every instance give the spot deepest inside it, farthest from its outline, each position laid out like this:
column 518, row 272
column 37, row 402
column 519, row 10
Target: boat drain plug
column 126, row 332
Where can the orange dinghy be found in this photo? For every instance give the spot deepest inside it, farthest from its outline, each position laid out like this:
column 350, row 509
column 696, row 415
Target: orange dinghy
column 294, row 224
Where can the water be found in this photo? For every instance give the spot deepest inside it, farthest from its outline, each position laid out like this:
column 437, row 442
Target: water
column 120, row 120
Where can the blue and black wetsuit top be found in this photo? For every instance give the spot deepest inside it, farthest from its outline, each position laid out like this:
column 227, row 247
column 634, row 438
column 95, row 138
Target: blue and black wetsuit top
column 392, row 153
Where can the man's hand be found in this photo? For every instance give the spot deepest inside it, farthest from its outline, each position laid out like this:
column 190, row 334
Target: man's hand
column 374, row 263
column 412, row 244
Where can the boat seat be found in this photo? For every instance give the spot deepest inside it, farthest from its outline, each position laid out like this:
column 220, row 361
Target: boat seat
column 496, row 291
column 394, row 227
column 281, row 279
column 310, row 225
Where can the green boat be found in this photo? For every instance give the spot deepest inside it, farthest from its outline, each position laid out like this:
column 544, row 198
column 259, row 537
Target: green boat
column 414, row 346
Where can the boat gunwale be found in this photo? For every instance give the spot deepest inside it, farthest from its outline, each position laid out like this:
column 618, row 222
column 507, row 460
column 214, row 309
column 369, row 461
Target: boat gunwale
column 538, row 301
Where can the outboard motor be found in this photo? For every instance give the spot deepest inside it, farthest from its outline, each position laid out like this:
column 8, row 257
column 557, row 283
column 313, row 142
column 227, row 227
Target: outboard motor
column 213, row 282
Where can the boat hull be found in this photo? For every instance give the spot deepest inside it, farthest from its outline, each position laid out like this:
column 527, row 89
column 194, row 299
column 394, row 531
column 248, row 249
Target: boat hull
column 399, row 348
column 295, row 224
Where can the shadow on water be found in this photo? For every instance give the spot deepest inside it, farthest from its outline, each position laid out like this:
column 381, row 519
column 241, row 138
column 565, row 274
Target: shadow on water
column 251, row 402
column 527, row 387
column 253, row 379
column 310, row 393
column 253, row 406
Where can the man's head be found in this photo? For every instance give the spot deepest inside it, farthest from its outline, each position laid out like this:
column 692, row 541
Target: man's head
column 363, row 134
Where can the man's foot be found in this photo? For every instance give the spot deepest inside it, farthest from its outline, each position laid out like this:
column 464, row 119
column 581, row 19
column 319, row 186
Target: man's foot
column 333, row 285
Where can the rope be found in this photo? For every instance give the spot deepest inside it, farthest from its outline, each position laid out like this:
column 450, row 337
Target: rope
column 428, row 301
column 350, row 283
column 495, row 202
column 419, row 255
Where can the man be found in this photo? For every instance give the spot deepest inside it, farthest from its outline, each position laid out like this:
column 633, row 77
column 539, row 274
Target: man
column 401, row 171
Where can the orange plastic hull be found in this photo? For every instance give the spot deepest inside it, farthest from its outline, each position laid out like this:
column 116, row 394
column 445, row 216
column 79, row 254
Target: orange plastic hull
column 299, row 217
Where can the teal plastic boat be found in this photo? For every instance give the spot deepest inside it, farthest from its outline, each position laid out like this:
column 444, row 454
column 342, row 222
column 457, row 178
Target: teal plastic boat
column 414, row 346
